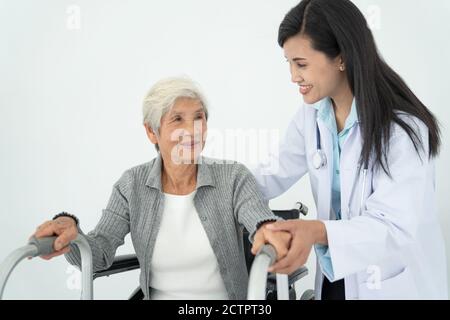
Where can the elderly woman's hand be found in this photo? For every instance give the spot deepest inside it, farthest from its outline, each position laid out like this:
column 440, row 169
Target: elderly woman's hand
column 63, row 227
column 280, row 240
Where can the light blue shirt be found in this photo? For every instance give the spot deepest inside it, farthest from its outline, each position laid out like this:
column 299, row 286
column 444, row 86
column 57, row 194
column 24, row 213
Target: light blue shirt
column 325, row 113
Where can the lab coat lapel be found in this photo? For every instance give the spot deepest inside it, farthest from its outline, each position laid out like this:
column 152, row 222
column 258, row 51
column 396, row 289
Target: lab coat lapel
column 325, row 174
column 350, row 154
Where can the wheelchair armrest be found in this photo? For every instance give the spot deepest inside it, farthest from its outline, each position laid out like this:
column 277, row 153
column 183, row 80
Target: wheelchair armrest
column 293, row 213
column 297, row 275
column 121, row 264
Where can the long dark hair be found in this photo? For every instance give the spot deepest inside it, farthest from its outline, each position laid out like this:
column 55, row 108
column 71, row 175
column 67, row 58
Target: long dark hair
column 337, row 27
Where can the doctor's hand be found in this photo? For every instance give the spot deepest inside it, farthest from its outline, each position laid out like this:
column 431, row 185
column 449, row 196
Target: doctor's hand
column 65, row 228
column 305, row 233
column 280, row 240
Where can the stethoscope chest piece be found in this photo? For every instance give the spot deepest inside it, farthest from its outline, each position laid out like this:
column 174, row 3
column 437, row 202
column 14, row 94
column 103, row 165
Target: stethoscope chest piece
column 319, row 159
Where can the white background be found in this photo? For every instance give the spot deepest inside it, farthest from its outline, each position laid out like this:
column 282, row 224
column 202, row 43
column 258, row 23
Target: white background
column 71, row 88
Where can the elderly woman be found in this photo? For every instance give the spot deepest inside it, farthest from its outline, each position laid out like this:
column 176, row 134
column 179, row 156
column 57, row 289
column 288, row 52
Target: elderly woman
column 185, row 212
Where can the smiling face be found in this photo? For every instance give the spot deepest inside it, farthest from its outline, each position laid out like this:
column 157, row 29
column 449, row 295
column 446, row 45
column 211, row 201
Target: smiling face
column 317, row 75
column 182, row 133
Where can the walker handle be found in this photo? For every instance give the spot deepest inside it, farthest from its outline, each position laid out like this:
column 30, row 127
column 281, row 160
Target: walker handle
column 270, row 251
column 43, row 245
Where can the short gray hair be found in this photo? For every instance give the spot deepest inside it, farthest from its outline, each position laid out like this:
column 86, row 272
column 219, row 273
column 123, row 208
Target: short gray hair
column 163, row 95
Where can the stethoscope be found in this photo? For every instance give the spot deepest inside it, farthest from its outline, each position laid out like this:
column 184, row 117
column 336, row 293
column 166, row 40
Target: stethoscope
column 319, row 161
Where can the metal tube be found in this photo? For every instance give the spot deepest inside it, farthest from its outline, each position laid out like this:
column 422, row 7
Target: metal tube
column 12, row 261
column 42, row 246
column 282, row 287
column 87, row 287
column 257, row 282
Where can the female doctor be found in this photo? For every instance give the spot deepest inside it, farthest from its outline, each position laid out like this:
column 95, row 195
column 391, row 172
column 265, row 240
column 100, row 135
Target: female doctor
column 368, row 144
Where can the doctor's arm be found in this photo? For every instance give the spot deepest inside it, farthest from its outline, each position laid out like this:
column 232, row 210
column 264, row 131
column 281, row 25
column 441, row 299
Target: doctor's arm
column 287, row 165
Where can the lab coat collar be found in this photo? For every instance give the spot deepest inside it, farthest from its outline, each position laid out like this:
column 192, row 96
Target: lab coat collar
column 325, row 113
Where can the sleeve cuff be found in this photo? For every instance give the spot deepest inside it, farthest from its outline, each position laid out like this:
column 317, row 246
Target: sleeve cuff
column 324, row 258
column 259, row 223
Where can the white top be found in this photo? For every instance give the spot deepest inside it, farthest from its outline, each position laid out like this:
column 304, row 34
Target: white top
column 183, row 265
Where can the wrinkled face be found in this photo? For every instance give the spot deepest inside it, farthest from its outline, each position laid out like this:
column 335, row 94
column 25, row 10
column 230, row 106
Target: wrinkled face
column 316, row 75
column 182, row 133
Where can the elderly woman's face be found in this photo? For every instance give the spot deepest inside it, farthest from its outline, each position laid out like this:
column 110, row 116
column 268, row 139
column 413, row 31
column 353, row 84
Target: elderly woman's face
column 182, row 133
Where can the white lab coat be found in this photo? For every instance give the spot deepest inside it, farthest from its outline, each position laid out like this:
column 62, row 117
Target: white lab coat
column 394, row 249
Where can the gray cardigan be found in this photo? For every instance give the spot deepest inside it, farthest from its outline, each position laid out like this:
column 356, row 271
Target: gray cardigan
column 227, row 199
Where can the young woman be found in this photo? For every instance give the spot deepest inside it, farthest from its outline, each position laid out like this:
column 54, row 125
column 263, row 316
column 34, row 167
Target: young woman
column 369, row 146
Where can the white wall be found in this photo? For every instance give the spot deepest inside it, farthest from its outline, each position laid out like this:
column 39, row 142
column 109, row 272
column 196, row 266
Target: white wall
column 71, row 91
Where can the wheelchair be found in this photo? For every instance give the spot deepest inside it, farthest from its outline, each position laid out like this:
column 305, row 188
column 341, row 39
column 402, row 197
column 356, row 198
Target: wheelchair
column 124, row 263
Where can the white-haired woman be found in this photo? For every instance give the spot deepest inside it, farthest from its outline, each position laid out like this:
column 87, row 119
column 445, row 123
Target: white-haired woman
column 185, row 212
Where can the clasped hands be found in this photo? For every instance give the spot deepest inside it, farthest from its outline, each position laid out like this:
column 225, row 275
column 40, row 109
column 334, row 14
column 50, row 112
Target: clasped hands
column 292, row 240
